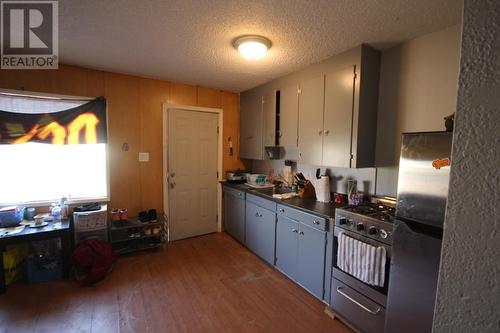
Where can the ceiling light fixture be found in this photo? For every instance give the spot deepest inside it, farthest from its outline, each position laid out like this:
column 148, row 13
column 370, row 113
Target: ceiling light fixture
column 252, row 47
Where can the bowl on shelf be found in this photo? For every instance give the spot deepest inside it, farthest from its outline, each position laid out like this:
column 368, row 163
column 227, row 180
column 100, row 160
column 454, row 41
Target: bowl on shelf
column 257, row 178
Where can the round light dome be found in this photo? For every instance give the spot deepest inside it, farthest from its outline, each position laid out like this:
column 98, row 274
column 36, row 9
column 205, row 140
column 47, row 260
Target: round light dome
column 252, row 47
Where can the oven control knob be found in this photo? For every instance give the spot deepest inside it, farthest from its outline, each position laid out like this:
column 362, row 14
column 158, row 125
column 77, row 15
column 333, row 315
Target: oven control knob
column 383, row 233
column 360, row 227
column 372, row 231
column 342, row 221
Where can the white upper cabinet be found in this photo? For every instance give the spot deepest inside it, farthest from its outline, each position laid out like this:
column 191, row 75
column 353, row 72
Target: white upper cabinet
column 251, row 132
column 330, row 114
column 339, row 96
column 269, row 109
column 311, row 93
column 289, row 115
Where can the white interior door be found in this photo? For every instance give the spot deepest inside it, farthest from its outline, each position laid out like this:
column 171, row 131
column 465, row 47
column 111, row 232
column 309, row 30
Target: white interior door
column 192, row 173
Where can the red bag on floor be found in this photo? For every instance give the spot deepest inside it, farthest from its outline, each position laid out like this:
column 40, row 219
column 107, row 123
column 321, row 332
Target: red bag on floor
column 92, row 259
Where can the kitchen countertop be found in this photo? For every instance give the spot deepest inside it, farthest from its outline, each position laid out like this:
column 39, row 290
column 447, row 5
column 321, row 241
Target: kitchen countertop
column 308, row 205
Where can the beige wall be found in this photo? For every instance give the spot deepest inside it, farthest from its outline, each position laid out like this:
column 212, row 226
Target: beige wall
column 418, row 88
column 134, row 116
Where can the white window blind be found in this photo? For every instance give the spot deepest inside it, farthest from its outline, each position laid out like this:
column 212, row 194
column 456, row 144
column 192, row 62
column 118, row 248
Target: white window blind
column 41, row 173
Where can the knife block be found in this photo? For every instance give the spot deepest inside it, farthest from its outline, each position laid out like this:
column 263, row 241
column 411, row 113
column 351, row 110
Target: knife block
column 308, row 191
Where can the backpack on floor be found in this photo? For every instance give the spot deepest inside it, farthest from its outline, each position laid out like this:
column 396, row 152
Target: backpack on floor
column 93, row 258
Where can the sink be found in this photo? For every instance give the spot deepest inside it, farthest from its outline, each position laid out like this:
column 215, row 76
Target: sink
column 283, row 193
column 278, row 192
column 283, row 190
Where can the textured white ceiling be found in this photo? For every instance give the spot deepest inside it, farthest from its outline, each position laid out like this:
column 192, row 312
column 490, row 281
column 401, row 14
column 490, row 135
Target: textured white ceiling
column 190, row 41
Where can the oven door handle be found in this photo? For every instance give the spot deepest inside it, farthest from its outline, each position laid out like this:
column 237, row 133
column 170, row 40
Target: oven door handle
column 374, row 312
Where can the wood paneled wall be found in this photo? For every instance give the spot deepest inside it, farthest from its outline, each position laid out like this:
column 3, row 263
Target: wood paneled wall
column 134, row 117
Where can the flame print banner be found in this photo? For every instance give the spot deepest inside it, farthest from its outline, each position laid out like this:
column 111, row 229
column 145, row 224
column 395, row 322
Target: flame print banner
column 84, row 124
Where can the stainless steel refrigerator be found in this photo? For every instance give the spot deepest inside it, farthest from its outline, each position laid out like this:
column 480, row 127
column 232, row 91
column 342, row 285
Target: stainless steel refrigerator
column 422, row 193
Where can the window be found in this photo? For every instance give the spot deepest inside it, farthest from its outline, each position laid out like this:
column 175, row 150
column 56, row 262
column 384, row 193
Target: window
column 40, row 173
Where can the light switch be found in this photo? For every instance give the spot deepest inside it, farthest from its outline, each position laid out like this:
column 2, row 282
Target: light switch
column 143, row 157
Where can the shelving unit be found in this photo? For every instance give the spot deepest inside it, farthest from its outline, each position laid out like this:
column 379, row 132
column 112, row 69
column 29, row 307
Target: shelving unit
column 132, row 235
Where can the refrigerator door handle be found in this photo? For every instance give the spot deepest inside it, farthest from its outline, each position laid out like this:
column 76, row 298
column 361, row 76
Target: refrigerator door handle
column 374, row 312
column 423, row 229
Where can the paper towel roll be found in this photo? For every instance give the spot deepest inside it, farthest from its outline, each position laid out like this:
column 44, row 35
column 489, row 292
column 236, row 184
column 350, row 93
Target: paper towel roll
column 322, row 188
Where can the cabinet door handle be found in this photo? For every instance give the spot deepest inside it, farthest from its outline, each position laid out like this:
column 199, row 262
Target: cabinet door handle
column 320, row 132
column 258, row 214
column 327, row 132
column 282, row 210
column 316, row 222
column 301, row 232
column 294, row 230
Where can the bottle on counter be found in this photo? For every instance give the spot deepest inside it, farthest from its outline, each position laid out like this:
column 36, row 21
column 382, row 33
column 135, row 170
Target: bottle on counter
column 64, row 207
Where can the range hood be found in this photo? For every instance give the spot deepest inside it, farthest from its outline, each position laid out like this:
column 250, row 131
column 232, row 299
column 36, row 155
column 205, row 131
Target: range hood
column 274, row 152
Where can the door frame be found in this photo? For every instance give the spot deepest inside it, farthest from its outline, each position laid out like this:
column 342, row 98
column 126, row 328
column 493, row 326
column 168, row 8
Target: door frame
column 220, row 117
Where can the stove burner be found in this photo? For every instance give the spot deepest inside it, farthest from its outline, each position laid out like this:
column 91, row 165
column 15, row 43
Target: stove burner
column 375, row 210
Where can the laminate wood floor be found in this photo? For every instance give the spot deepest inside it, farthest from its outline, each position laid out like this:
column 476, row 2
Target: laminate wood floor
column 204, row 284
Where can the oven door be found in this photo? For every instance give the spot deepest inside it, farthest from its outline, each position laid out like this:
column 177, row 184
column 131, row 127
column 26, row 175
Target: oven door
column 377, row 294
column 361, row 304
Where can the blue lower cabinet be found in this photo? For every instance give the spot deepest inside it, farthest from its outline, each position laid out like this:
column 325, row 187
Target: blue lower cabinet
column 234, row 214
column 292, row 240
column 311, row 259
column 287, row 246
column 260, row 230
column 301, row 248
column 251, row 226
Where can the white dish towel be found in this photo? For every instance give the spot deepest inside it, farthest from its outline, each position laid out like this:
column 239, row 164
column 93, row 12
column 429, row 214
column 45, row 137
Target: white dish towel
column 361, row 260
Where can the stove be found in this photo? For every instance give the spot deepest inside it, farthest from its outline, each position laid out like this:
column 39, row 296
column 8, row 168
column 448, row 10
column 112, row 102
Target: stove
column 362, row 304
column 370, row 219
